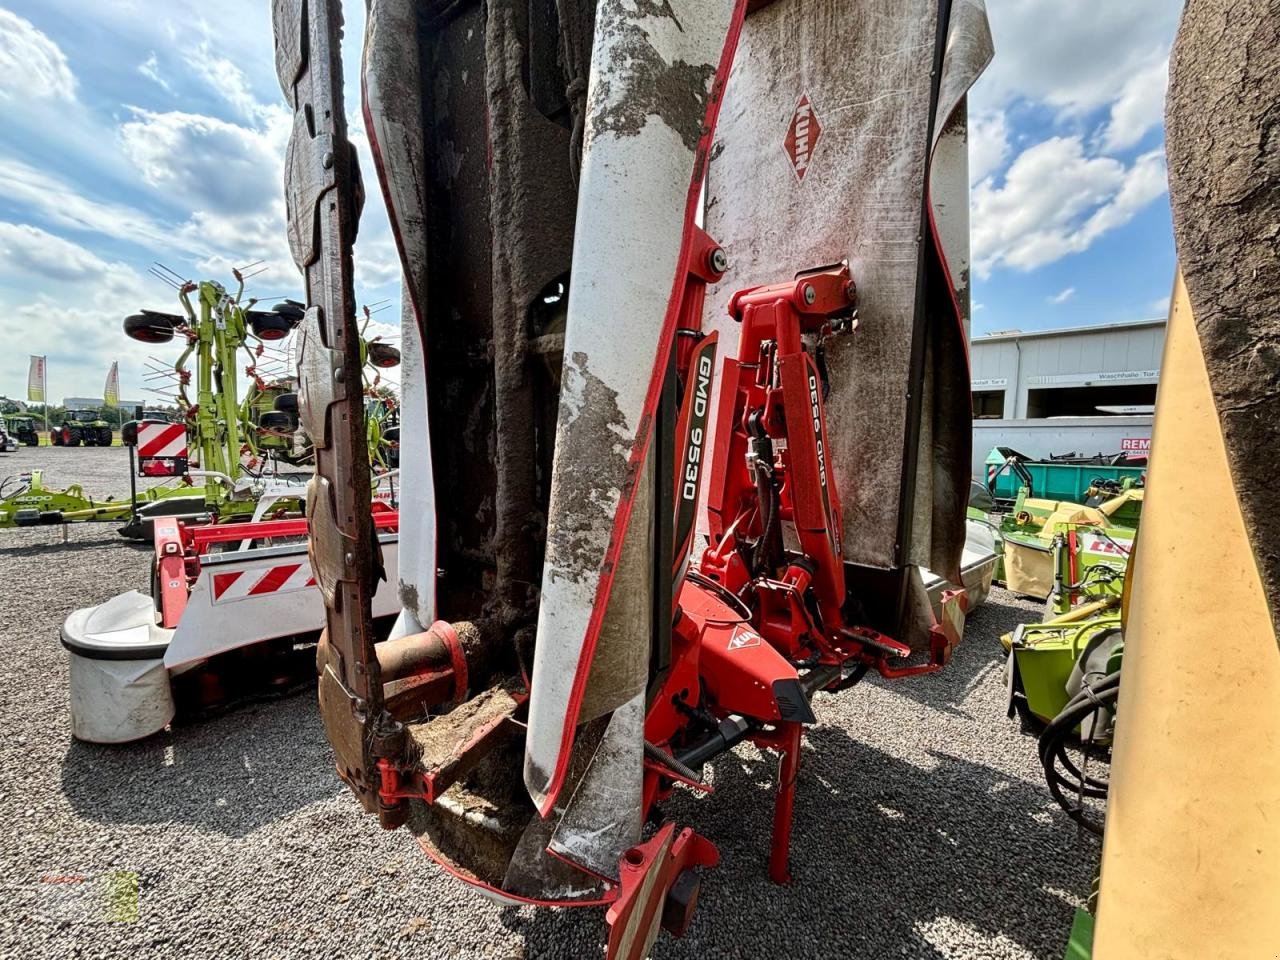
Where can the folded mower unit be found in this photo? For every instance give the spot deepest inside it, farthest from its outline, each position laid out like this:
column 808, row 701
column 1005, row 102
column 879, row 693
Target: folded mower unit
column 685, row 408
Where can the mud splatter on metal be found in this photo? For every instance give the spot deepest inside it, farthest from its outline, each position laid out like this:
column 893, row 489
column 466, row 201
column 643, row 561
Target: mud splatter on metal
column 676, row 93
column 590, row 485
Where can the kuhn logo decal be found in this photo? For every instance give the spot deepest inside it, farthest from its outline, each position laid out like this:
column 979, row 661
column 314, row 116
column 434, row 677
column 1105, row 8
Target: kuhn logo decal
column 802, row 136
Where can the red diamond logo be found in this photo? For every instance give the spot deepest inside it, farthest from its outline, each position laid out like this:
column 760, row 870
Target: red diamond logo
column 802, row 136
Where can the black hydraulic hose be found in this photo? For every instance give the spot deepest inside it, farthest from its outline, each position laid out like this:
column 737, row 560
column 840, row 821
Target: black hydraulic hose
column 1053, row 745
column 1053, row 742
column 771, row 525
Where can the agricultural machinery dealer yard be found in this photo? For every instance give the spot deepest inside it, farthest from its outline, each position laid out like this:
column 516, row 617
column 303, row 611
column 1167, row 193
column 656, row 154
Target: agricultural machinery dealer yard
column 566, row 519
column 923, row 816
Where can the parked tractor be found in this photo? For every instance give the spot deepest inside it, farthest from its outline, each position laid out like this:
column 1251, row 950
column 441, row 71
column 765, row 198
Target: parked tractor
column 22, row 429
column 81, row 426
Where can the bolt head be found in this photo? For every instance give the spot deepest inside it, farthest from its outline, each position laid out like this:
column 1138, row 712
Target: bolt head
column 809, row 293
column 719, row 262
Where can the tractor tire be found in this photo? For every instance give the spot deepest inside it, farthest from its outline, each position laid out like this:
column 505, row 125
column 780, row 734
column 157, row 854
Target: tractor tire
column 55, row 438
column 151, row 327
column 71, row 437
column 277, row 421
column 269, row 326
column 105, row 437
column 33, row 440
column 383, row 355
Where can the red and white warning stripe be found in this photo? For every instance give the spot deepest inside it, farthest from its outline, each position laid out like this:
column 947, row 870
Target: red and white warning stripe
column 162, row 440
column 239, row 584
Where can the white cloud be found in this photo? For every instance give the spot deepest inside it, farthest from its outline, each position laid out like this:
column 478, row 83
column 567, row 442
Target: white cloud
column 227, row 80
column 31, row 65
column 26, row 248
column 1074, row 60
column 1055, row 201
column 150, row 68
column 61, row 204
column 1074, row 57
column 1062, row 296
column 73, row 315
column 205, row 162
column 1139, row 107
column 988, row 143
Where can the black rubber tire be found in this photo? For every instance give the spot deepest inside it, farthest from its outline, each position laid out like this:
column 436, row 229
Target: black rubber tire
column 71, row 437
column 287, row 403
column 291, row 310
column 383, row 355
column 33, row 440
column 269, row 326
column 105, row 437
column 149, row 327
column 55, row 438
column 276, row 420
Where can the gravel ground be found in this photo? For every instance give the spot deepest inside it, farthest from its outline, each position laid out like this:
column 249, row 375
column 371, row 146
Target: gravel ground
column 923, row 827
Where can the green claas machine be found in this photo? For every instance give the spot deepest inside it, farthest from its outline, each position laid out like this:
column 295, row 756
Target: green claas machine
column 234, row 446
column 23, row 429
column 81, row 426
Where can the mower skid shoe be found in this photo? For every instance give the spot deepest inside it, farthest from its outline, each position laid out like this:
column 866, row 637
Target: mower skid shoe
column 659, row 889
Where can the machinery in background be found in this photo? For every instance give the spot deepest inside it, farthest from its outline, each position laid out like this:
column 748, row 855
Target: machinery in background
column 1067, row 553
column 232, row 614
column 26, row 502
column 81, row 427
column 231, row 448
column 22, row 428
column 237, row 452
column 1011, row 475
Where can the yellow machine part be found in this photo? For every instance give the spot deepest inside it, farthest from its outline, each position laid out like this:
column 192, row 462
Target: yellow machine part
column 1191, row 860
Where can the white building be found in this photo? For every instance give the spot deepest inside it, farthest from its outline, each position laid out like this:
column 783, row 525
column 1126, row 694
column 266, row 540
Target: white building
column 1083, row 390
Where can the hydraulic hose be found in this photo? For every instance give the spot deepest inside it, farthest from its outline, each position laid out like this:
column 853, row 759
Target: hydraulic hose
column 1069, row 788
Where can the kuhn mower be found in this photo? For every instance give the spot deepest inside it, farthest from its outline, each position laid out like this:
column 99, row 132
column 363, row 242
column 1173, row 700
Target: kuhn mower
column 685, row 408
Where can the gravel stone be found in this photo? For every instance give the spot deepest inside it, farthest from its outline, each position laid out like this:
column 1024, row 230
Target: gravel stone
column 923, row 828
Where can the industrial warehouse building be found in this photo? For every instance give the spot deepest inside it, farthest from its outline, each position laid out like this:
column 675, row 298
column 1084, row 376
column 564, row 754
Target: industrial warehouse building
column 1080, row 390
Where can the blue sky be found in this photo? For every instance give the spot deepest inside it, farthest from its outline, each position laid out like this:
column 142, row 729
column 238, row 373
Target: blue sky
column 138, row 131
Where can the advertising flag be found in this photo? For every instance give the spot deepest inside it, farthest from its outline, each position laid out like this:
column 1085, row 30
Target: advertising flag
column 36, row 374
column 111, row 394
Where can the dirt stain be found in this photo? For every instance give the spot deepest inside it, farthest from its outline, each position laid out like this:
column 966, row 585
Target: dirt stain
column 676, row 92
column 591, row 471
